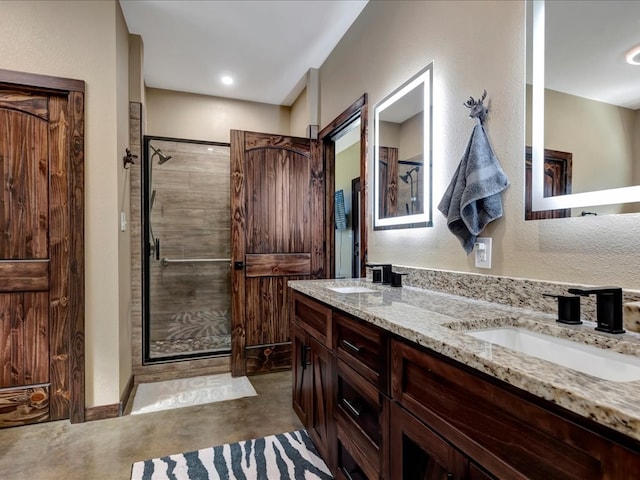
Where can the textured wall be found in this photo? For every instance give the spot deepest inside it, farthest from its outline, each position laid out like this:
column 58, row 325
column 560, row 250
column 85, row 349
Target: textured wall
column 78, row 40
column 201, row 117
column 474, row 46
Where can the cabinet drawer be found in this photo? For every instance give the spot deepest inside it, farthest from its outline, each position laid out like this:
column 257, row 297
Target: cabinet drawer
column 314, row 318
column 363, row 413
column 351, row 464
column 362, row 346
column 501, row 430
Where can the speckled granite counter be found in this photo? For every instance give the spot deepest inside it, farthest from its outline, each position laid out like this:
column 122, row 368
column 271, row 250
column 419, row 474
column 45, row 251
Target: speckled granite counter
column 439, row 320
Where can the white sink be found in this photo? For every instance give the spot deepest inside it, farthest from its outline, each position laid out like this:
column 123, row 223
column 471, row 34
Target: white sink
column 351, row 289
column 588, row 359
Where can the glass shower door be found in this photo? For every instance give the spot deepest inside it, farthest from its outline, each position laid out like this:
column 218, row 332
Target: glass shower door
column 187, row 278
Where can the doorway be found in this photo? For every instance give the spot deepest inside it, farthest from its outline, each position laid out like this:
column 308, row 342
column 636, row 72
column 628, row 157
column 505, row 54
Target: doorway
column 344, row 147
column 186, row 237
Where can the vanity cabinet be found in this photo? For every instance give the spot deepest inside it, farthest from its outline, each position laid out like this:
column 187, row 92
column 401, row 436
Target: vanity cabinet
column 503, row 430
column 378, row 406
column 312, row 371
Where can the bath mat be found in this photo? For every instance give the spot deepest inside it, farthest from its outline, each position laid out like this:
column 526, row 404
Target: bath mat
column 286, row 456
column 186, row 392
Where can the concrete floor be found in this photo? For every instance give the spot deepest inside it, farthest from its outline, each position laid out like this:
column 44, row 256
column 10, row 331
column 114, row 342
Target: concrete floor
column 106, row 449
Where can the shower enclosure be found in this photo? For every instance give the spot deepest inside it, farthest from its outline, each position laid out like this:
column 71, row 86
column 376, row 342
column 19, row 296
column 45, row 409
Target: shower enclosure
column 186, row 240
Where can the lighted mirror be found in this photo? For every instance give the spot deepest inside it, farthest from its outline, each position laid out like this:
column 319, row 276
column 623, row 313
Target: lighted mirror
column 402, row 155
column 583, row 108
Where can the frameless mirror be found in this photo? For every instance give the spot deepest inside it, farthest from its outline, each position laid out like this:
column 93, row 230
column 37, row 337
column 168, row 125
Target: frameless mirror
column 583, row 108
column 402, row 155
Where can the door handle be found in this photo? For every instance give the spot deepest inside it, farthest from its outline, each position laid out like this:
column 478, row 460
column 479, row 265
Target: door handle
column 238, row 265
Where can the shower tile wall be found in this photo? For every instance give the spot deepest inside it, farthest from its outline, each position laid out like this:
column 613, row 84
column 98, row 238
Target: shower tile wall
column 190, row 302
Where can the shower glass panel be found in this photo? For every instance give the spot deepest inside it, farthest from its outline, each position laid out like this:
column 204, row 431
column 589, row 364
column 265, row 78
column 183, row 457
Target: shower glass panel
column 186, row 236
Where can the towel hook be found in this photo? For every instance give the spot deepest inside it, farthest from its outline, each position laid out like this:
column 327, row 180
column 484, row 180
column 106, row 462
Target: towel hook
column 478, row 110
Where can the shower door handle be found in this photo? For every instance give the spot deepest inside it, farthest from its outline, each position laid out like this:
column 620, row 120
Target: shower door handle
column 238, row 265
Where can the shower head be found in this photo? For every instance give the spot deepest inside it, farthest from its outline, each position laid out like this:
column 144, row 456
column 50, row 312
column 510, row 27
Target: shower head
column 162, row 158
column 405, row 178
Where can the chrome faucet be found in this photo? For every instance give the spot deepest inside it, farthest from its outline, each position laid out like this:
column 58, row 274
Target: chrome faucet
column 608, row 307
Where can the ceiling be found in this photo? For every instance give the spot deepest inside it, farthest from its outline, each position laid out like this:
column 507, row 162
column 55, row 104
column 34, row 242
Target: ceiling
column 266, row 46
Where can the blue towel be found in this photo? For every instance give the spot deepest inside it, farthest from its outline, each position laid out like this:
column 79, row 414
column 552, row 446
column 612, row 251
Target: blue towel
column 472, row 199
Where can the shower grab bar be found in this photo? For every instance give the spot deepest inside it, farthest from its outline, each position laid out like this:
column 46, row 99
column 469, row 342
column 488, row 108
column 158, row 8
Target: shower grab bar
column 167, row 261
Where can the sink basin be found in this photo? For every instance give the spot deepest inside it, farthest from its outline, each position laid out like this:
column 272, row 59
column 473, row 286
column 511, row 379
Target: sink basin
column 351, row 289
column 587, row 359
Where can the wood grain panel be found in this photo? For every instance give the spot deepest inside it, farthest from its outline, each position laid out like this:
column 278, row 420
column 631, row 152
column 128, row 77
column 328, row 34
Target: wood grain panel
column 256, row 140
column 59, row 248
column 278, row 264
column 238, row 226
column 24, row 337
column 24, row 275
column 44, row 82
column 75, row 292
column 316, row 225
column 24, row 171
column 33, row 104
column 268, row 358
column 24, row 406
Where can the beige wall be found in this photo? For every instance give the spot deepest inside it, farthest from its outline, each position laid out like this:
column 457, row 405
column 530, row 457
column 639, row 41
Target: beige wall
column 78, row 40
column 474, row 46
column 200, row 117
column 300, row 115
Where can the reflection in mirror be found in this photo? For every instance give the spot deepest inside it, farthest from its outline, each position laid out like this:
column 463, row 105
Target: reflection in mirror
column 402, row 144
column 583, row 123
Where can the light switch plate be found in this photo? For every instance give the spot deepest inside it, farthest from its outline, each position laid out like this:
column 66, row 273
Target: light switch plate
column 483, row 252
column 123, row 222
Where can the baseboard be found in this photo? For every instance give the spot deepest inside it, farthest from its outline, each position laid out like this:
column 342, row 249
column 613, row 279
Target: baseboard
column 124, row 399
column 114, row 410
column 102, row 412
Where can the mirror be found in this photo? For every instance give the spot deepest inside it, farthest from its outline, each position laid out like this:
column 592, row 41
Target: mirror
column 583, row 109
column 402, row 155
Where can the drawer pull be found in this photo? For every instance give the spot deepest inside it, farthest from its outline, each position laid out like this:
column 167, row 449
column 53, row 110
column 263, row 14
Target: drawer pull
column 351, row 346
column 346, row 473
column 304, row 356
column 351, row 407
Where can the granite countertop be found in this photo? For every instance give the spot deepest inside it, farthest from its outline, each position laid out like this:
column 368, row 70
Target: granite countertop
column 439, row 321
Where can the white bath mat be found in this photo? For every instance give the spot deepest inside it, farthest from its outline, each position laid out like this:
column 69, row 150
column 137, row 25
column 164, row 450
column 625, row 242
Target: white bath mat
column 186, row 392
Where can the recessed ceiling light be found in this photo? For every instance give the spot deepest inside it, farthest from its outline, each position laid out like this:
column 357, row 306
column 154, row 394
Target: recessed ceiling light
column 633, row 55
column 227, row 80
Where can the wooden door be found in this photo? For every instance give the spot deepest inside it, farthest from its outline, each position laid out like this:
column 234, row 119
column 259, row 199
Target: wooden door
column 557, row 181
column 40, row 261
column 302, row 373
column 418, row 453
column 277, row 234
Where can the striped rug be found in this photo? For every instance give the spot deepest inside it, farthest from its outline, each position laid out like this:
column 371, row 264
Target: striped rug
column 277, row 457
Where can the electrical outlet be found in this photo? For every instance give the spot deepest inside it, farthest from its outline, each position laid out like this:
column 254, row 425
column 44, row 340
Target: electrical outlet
column 483, row 252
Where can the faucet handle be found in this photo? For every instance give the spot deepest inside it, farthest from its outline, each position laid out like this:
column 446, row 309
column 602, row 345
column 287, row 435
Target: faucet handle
column 568, row 308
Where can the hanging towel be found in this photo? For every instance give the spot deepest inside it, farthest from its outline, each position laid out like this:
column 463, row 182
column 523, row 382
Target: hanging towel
column 472, row 199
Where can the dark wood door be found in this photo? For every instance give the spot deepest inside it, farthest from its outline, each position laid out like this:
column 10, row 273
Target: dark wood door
column 418, row 453
column 34, row 257
column 302, row 373
column 277, row 234
column 557, row 181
